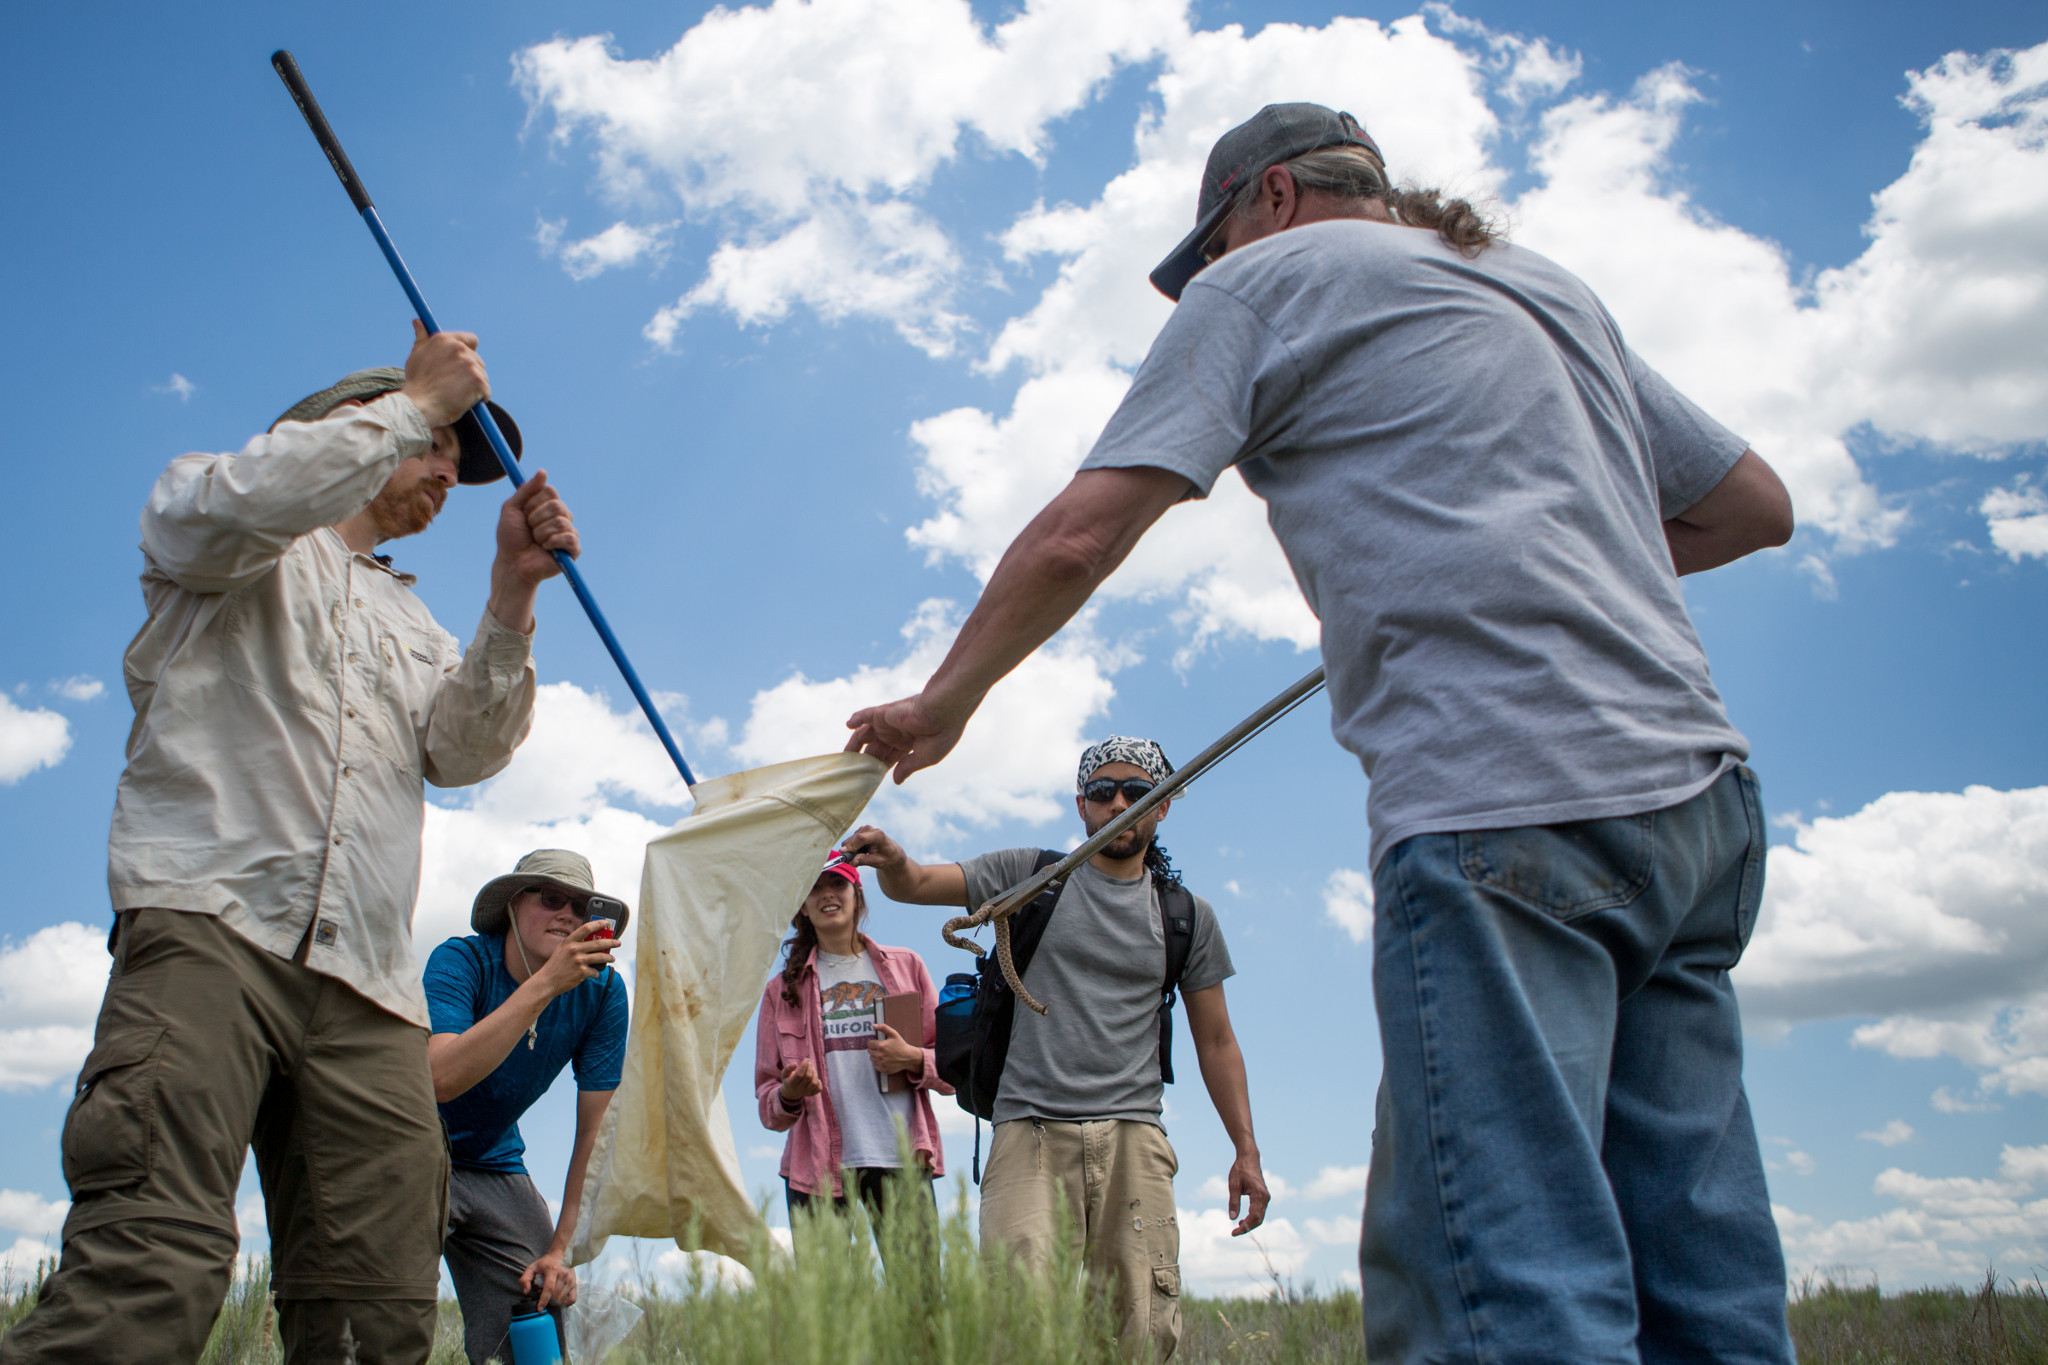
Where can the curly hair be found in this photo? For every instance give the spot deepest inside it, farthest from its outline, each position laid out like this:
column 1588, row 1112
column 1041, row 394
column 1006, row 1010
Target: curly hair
column 1160, row 866
column 1355, row 173
column 797, row 947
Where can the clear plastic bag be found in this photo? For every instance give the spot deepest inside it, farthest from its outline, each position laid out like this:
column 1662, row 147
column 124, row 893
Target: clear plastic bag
column 596, row 1323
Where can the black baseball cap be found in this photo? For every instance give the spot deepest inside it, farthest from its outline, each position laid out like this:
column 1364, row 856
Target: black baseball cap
column 1277, row 133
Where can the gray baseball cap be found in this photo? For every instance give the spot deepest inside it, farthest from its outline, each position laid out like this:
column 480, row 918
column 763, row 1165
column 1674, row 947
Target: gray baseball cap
column 1277, row 133
column 478, row 464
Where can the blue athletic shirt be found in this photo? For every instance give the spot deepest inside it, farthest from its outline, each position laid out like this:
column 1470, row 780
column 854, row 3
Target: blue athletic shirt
column 465, row 980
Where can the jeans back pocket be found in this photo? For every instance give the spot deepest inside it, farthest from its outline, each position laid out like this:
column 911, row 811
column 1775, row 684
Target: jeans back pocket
column 1565, row 870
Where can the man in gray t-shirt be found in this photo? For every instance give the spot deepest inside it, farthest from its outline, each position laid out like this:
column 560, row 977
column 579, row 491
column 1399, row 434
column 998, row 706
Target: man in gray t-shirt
column 1487, row 499
column 1077, row 1113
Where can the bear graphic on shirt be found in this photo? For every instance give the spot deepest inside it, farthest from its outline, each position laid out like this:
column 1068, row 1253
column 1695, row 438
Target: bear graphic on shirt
column 848, row 1008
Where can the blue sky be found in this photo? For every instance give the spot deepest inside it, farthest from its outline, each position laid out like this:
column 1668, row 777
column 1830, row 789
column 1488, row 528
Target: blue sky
column 808, row 307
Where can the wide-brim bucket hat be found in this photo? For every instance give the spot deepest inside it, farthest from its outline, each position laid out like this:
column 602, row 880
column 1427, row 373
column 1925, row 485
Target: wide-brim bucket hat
column 478, row 462
column 556, row 867
column 1277, row 133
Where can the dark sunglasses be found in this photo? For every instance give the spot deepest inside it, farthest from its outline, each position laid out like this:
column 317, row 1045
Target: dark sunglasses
column 1103, row 790
column 591, row 907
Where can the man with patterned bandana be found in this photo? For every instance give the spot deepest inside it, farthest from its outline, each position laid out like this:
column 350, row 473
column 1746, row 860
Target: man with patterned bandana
column 1078, row 1112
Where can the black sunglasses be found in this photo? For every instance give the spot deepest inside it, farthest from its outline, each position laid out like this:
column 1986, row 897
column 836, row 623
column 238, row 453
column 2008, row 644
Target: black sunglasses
column 1103, row 790
column 555, row 901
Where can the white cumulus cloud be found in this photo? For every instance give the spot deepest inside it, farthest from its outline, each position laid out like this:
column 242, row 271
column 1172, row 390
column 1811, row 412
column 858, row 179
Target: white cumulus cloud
column 1256, row 1265
column 1891, row 1135
column 1016, row 761
column 1940, row 1228
column 621, row 244
column 1347, row 903
column 807, row 128
column 30, row 739
column 1928, row 910
column 79, row 687
column 2018, row 520
column 31, row 1214
column 50, row 988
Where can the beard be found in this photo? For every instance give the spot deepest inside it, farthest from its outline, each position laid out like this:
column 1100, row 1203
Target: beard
column 405, row 507
column 1129, row 844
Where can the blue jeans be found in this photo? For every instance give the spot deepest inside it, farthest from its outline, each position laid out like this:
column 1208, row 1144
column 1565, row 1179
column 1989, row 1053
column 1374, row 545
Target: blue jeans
column 1564, row 1167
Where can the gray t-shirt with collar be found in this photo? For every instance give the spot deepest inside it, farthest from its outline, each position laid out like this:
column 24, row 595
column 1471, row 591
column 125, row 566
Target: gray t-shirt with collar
column 1468, row 471
column 1095, row 1053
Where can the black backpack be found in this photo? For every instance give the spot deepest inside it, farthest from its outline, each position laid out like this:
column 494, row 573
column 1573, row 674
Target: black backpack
column 976, row 1009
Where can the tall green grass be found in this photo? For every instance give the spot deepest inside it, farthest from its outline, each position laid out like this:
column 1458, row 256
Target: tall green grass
column 912, row 1289
column 2000, row 1322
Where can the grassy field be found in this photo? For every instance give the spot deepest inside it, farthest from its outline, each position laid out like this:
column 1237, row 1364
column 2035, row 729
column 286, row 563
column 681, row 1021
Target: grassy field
column 939, row 1305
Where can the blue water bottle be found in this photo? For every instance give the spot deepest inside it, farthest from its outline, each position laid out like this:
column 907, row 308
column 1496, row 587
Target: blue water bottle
column 534, row 1341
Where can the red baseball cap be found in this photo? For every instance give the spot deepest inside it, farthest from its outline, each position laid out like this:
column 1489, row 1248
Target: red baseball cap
column 841, row 862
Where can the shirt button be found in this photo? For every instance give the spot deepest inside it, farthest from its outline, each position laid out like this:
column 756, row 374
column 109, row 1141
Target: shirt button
column 337, row 841
column 350, row 712
column 348, row 772
column 359, row 601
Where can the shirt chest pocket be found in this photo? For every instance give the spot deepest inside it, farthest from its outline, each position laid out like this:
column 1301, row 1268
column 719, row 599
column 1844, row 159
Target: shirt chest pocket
column 410, row 664
column 792, row 1041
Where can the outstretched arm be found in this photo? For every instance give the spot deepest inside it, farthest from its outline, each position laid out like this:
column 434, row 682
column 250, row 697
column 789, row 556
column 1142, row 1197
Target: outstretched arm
column 905, row 881
column 1046, row 575
column 557, row 1280
column 1223, row 1072
column 1749, row 510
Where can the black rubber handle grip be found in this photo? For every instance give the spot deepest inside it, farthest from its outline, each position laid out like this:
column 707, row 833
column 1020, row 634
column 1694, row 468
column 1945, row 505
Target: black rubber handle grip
column 288, row 72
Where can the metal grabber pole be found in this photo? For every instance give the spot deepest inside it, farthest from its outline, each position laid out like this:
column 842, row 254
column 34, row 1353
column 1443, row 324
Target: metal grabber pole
column 288, row 70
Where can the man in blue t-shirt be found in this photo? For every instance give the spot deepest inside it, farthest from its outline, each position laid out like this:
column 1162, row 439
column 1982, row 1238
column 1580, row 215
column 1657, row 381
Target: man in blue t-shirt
column 528, row 994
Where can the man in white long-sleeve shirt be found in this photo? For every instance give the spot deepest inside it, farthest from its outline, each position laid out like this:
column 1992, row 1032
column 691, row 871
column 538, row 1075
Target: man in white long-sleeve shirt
column 291, row 697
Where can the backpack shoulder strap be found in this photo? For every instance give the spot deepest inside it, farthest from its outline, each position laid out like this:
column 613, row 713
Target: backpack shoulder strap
column 1177, row 918
column 1027, row 923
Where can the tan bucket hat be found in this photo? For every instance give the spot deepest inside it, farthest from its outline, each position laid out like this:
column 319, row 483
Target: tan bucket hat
column 556, row 867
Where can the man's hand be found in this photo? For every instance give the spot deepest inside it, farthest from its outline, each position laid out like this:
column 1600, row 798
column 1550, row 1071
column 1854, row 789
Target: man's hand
column 533, row 524
column 913, row 733
column 800, row 1082
column 444, row 376
column 891, row 1052
column 1248, row 1182
column 579, row 959
column 903, row 880
column 868, row 846
column 557, row 1283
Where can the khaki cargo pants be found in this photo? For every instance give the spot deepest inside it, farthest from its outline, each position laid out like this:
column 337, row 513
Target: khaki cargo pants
column 1117, row 1179
column 207, row 1045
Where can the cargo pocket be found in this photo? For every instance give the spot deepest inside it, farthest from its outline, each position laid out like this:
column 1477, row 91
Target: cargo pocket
column 112, row 1124
column 1165, row 1309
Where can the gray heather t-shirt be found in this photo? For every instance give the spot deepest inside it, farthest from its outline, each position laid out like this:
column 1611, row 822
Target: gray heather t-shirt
column 1468, row 471
column 1095, row 1053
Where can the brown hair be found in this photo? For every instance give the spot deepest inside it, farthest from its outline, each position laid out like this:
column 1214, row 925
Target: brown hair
column 1355, row 173
column 798, row 946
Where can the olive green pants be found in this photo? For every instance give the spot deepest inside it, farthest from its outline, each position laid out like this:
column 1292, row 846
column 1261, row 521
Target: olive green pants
column 206, row 1046
column 1116, row 1176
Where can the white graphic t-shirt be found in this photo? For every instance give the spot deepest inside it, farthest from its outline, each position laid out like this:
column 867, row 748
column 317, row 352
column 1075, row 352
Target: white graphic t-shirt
column 849, row 998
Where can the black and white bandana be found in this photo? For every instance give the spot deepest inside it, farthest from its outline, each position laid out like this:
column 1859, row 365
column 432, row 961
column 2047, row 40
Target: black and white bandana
column 1139, row 753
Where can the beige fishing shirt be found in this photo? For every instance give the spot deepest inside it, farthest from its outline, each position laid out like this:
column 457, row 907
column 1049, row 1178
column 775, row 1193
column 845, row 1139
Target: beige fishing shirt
column 291, row 698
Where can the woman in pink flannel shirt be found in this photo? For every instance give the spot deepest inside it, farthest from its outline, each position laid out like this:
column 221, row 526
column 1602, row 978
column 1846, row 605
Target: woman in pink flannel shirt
column 821, row 1049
